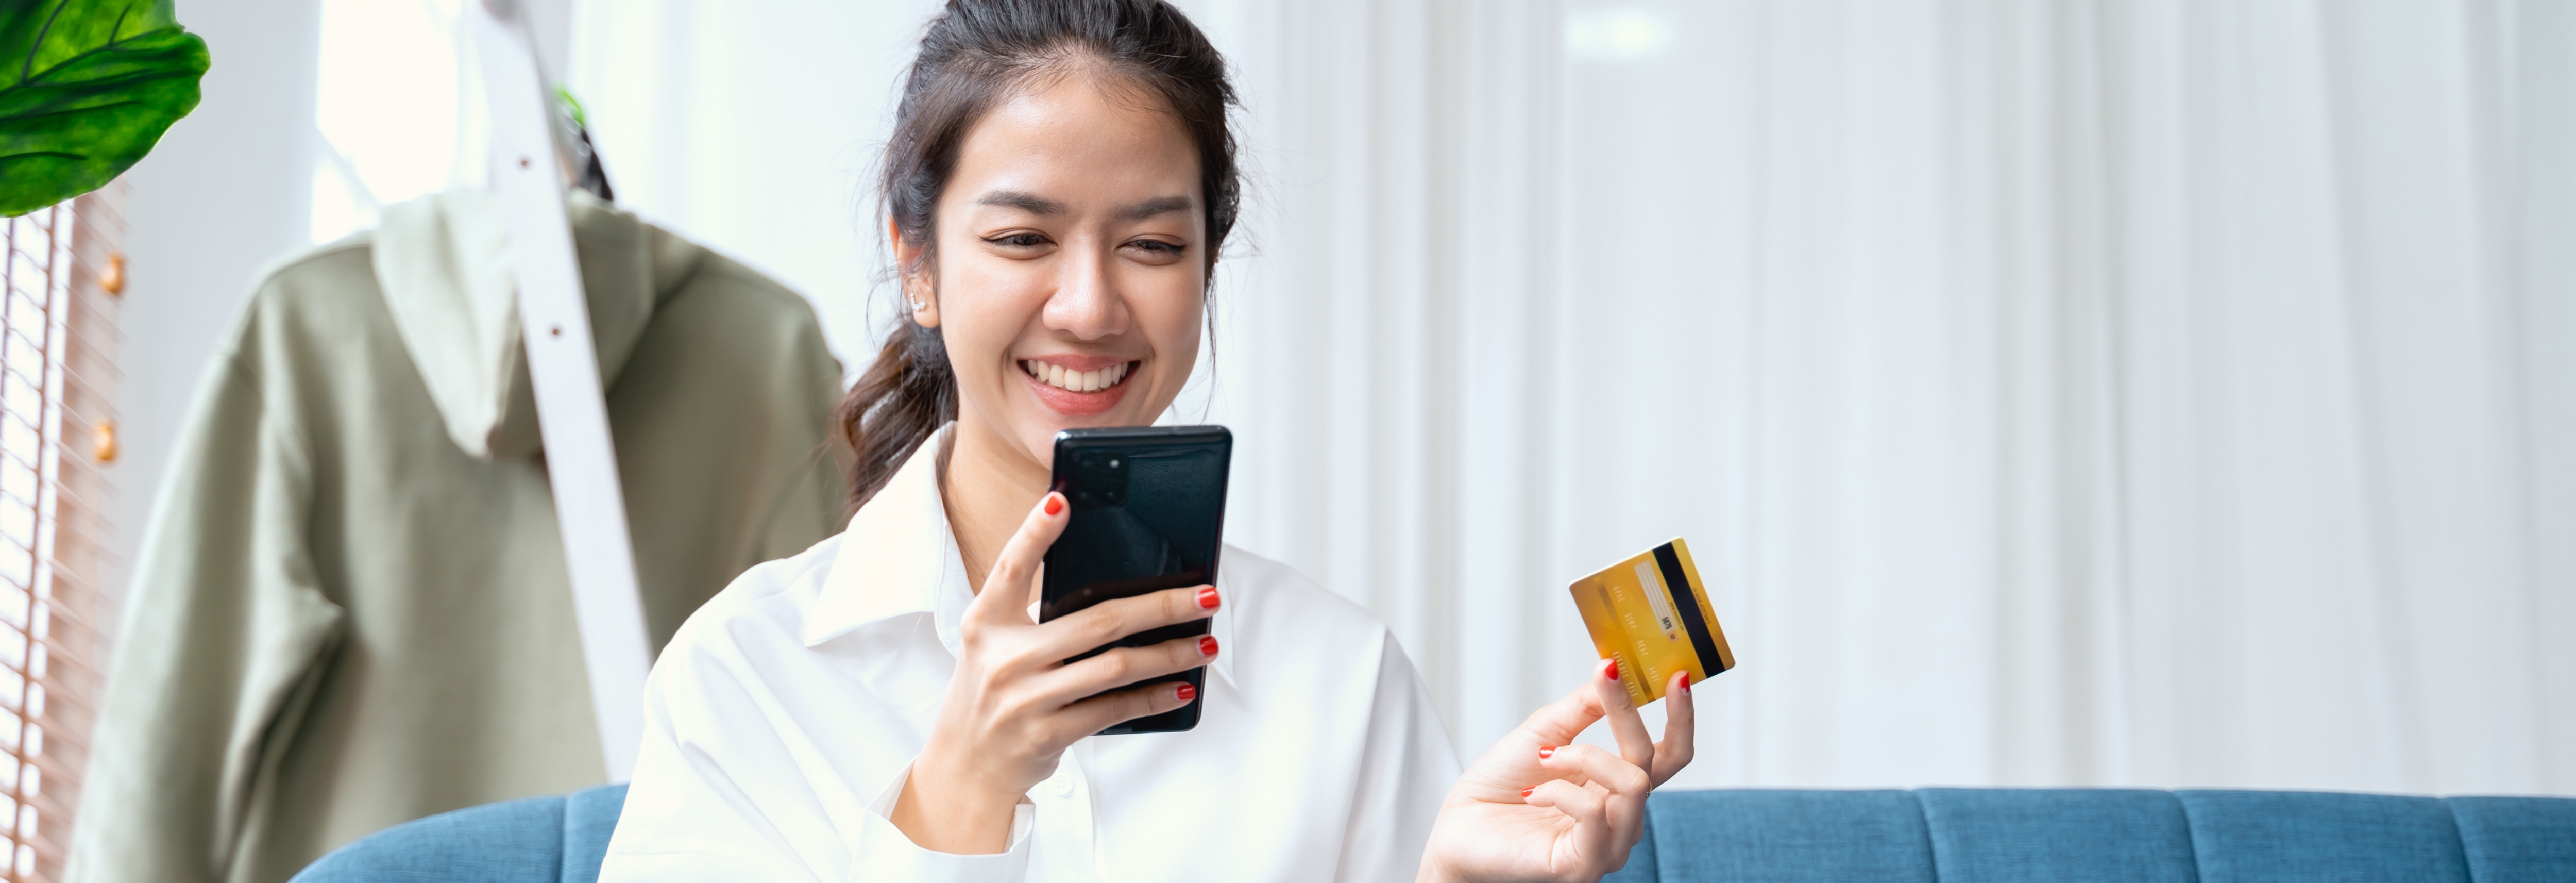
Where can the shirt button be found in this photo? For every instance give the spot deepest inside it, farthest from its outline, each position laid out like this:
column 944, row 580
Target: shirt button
column 1063, row 786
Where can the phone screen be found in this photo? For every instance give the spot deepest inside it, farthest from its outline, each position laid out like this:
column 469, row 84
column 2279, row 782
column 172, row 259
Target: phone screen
column 1148, row 512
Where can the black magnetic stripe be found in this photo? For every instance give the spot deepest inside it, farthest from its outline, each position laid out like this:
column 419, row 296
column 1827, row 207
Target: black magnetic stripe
column 1687, row 604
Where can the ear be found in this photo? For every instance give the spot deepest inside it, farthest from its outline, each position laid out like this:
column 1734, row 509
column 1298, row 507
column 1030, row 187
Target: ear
column 919, row 295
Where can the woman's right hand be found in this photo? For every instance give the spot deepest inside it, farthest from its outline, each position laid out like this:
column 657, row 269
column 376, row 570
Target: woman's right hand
column 1014, row 705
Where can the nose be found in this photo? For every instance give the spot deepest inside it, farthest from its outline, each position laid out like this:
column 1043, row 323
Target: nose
column 1086, row 303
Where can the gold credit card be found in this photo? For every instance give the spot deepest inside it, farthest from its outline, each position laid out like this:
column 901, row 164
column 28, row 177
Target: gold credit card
column 1651, row 614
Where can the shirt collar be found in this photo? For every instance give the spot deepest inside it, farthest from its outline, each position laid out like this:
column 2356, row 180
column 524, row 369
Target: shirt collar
column 899, row 557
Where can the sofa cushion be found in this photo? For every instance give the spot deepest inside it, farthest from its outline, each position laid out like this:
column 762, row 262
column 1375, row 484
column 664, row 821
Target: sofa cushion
column 2354, row 838
column 589, row 817
column 1955, row 835
column 2517, row 839
column 1789, row 836
column 535, row 840
column 2069, row 835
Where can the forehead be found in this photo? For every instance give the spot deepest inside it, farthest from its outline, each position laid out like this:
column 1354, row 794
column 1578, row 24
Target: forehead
column 1078, row 141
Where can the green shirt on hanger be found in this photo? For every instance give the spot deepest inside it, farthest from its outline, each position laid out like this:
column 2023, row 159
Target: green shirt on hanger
column 351, row 607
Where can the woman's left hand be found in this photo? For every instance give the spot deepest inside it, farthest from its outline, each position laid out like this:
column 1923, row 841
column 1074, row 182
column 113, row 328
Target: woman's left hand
column 1537, row 807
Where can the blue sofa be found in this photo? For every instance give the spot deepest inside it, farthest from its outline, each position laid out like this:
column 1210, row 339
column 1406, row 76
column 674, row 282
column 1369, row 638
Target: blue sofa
column 1936, row 834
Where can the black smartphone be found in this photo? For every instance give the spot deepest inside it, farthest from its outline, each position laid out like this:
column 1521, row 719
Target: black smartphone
column 1148, row 514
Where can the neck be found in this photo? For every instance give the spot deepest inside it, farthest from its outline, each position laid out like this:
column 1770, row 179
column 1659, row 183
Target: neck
column 988, row 488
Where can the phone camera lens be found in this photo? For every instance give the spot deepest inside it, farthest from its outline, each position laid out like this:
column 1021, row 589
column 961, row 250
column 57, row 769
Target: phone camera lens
column 1099, row 479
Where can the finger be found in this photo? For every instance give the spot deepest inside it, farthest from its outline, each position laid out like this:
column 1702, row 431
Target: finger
column 1077, row 632
column 1569, row 771
column 1681, row 728
column 1099, row 712
column 1123, row 666
column 1623, row 785
column 1015, row 570
column 1558, row 722
column 1625, row 726
column 1591, row 765
column 1588, row 807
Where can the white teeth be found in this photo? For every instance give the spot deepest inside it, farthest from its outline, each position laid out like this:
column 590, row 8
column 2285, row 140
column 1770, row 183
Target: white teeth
column 1057, row 376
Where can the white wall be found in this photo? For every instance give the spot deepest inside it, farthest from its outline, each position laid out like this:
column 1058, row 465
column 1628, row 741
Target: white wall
column 751, row 127
column 227, row 190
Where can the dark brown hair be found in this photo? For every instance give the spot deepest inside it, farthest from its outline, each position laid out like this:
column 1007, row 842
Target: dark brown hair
column 975, row 54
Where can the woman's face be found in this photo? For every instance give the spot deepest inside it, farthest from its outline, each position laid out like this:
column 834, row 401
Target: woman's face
column 1071, row 270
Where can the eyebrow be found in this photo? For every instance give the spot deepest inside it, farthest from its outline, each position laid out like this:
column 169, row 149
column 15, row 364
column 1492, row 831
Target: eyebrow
column 1027, row 202
column 1039, row 205
column 1152, row 207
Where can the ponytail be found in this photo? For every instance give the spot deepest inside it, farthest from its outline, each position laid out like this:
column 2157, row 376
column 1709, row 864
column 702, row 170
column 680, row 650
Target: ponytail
column 906, row 394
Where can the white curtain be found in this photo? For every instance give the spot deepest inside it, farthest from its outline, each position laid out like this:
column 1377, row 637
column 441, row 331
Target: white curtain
column 2053, row 392
column 752, row 125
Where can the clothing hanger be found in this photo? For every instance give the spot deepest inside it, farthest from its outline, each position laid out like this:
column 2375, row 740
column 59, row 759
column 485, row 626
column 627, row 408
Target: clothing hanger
column 563, row 370
column 593, row 177
column 580, row 156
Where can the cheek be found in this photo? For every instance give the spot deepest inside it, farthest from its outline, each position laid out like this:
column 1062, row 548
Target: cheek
column 982, row 309
column 1175, row 320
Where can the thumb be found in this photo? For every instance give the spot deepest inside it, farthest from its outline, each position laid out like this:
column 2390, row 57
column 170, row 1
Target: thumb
column 1015, row 579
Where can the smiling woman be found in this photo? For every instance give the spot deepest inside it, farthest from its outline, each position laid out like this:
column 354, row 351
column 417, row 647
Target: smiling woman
column 1035, row 214
column 1066, row 236
column 1058, row 184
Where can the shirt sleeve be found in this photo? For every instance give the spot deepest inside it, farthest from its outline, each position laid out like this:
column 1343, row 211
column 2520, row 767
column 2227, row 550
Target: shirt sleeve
column 720, row 792
column 1406, row 771
column 889, row 853
column 221, row 651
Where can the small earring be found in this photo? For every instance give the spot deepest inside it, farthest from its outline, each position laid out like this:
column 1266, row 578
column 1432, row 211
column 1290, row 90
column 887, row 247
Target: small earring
column 916, row 304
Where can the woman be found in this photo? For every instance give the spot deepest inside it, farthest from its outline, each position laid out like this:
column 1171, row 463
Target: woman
column 883, row 706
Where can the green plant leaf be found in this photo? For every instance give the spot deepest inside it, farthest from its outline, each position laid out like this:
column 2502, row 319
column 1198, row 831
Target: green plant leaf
column 86, row 88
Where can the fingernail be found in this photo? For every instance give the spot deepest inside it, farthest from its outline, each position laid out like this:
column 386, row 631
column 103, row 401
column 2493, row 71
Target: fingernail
column 1207, row 598
column 1610, row 668
column 1685, row 682
column 1055, row 505
column 1186, row 692
column 1546, row 751
column 1525, row 792
column 1207, row 645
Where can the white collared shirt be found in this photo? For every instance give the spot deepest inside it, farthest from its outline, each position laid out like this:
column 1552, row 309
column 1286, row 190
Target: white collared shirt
column 783, row 717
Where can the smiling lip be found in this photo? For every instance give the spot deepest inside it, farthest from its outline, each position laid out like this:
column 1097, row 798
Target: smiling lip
column 1078, row 386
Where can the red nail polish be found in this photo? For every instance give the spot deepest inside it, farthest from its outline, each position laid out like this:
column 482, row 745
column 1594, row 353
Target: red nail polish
column 1685, row 682
column 1055, row 505
column 1207, row 645
column 1525, row 792
column 1207, row 598
column 1186, row 692
column 1610, row 668
column 1546, row 751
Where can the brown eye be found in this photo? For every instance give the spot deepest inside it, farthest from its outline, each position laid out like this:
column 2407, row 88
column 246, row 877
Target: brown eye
column 1157, row 249
column 1019, row 240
